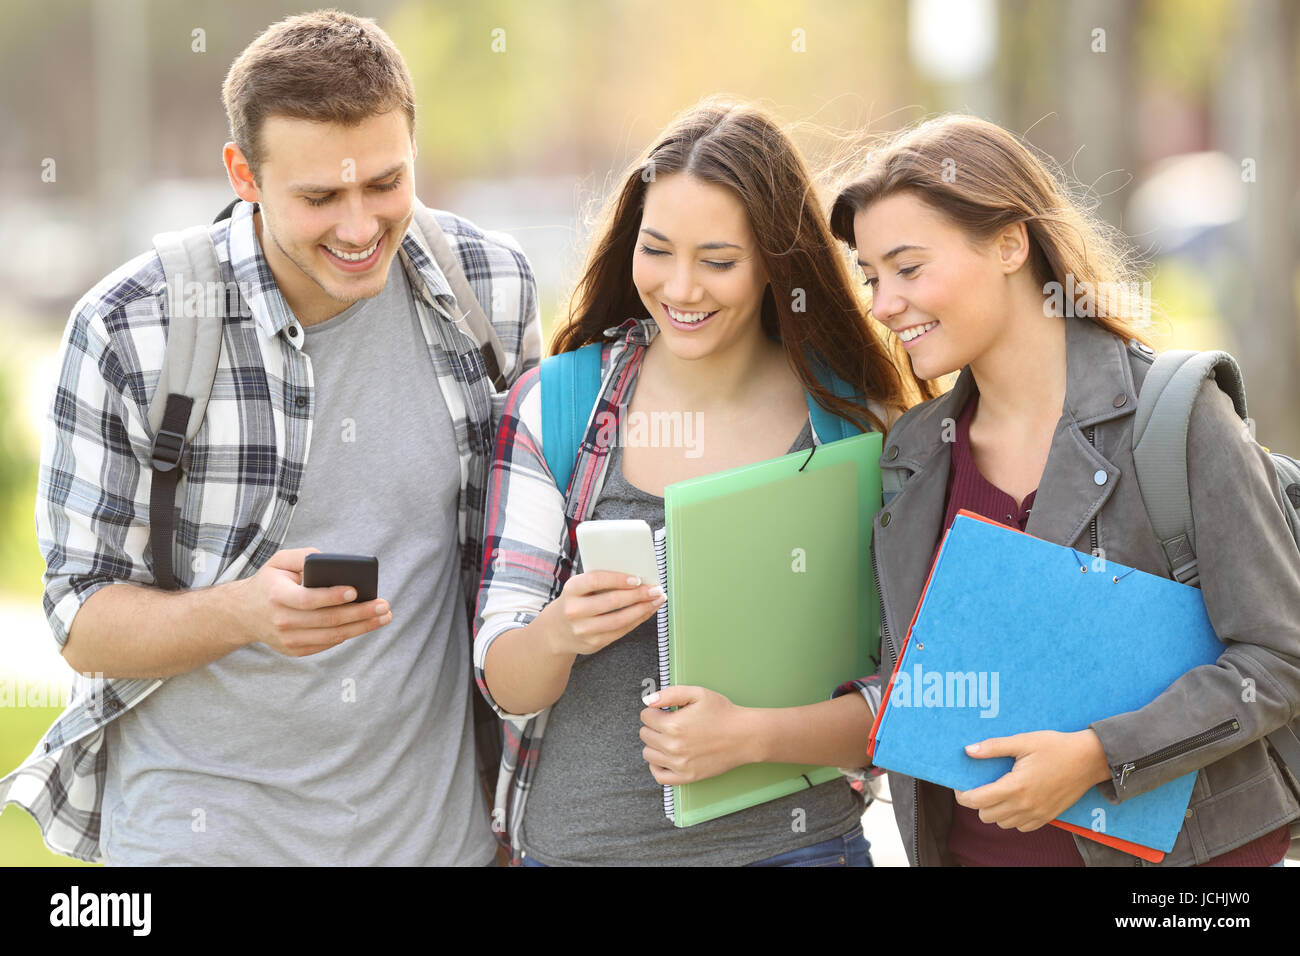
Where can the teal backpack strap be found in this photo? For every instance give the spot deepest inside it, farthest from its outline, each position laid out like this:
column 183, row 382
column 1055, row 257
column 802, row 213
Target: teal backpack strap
column 570, row 384
column 1160, row 445
column 829, row 426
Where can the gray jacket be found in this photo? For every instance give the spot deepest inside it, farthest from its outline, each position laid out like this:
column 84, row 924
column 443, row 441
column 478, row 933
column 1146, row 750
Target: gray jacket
column 1212, row 719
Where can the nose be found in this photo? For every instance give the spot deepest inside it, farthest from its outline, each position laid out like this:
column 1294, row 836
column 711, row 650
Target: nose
column 886, row 303
column 359, row 227
column 682, row 287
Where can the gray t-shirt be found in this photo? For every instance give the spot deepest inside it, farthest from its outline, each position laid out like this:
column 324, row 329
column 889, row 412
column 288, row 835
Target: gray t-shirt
column 593, row 800
column 362, row 754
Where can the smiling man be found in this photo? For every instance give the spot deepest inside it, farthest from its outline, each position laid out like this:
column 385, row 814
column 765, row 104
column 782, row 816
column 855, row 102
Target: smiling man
column 244, row 718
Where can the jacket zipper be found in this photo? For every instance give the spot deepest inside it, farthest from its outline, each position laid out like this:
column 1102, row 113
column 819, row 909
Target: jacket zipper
column 1225, row 729
column 884, row 622
column 1092, row 531
column 889, row 645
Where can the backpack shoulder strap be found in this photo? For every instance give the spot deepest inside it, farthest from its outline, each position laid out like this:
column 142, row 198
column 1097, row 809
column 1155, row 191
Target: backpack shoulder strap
column 1160, row 445
column 1160, row 456
column 479, row 326
column 180, row 399
column 570, row 383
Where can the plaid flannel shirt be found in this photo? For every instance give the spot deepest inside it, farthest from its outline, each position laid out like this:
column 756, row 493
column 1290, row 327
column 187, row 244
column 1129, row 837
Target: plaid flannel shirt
column 531, row 544
column 242, row 470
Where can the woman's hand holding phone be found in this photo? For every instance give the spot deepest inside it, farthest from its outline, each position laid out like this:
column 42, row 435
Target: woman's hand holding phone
column 595, row 609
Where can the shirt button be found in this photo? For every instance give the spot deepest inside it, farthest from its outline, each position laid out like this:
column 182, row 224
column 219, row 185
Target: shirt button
column 1120, row 401
column 300, row 401
column 884, row 520
column 293, row 331
column 1188, row 814
column 893, row 453
column 1099, row 477
column 293, row 499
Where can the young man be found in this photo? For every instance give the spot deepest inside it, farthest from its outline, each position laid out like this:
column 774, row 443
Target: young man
column 245, row 719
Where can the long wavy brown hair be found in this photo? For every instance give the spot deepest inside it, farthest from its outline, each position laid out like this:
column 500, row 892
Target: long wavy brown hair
column 983, row 179
column 739, row 146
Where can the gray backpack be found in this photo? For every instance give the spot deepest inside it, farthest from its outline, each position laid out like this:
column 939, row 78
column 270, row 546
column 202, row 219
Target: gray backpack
column 194, row 347
column 1160, row 455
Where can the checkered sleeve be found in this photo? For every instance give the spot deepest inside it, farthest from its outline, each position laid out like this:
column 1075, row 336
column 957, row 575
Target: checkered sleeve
column 524, row 530
column 500, row 276
column 92, row 497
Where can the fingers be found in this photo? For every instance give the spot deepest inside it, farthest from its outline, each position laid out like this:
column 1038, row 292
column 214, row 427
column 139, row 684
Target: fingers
column 309, row 599
column 1005, row 815
column 589, row 582
column 315, row 640
column 326, row 618
column 598, row 606
column 664, row 776
column 614, row 624
column 657, row 741
column 1014, row 746
column 291, row 559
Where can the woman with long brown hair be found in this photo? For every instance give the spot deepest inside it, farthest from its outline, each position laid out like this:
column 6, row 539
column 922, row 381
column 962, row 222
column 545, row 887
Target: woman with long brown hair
column 716, row 287
column 981, row 260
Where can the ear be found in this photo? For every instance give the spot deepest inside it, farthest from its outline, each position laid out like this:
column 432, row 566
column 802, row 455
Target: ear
column 1012, row 245
column 240, row 175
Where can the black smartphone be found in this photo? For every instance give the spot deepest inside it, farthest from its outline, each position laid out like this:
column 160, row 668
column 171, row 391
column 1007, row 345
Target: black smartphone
column 359, row 571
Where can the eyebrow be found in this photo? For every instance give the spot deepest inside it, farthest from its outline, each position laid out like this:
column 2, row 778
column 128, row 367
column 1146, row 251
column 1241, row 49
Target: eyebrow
column 896, row 251
column 707, row 245
column 313, row 188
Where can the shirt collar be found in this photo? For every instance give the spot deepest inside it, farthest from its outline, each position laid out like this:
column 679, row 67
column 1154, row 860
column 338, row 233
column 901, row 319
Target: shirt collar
column 262, row 295
column 1099, row 387
column 640, row 331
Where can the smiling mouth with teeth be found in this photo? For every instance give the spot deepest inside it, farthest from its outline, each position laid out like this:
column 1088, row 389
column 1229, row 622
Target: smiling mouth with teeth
column 687, row 318
column 915, row 331
column 354, row 256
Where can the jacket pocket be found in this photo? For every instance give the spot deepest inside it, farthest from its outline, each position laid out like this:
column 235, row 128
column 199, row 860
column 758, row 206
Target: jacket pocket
column 1250, row 806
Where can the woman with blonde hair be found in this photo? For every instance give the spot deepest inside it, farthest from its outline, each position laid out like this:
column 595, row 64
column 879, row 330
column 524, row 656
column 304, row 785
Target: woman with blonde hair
column 980, row 261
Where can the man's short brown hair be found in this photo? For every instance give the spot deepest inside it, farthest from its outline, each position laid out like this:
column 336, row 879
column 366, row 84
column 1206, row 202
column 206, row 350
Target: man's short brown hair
column 326, row 66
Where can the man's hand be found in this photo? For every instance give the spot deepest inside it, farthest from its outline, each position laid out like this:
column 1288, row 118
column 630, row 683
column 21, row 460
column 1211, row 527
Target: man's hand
column 707, row 735
column 273, row 608
column 1052, row 771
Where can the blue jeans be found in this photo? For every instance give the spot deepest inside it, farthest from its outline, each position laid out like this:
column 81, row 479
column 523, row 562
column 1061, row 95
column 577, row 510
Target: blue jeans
column 851, row 849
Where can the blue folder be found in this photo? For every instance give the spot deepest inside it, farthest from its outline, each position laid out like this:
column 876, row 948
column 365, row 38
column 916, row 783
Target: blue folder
column 1015, row 634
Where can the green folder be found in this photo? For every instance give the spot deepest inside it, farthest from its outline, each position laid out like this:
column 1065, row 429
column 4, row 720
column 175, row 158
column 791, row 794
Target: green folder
column 771, row 599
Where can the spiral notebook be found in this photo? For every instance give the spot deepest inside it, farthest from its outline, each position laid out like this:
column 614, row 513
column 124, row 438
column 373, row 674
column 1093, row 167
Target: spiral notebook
column 771, row 600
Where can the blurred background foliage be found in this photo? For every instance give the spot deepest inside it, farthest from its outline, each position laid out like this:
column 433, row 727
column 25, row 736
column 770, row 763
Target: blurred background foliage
column 1177, row 117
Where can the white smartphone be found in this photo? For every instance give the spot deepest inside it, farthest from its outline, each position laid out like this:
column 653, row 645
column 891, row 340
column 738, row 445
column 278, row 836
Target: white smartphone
column 623, row 545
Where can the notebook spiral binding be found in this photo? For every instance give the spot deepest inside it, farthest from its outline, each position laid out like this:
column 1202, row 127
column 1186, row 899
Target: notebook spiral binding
column 661, row 622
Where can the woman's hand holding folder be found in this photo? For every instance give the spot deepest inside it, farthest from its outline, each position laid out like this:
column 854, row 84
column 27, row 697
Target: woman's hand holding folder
column 706, row 735
column 1052, row 771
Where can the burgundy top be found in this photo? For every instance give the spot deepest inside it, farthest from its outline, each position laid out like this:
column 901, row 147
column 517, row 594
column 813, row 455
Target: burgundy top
column 972, row 841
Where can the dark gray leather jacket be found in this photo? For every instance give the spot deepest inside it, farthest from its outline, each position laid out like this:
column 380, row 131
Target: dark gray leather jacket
column 1214, row 718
